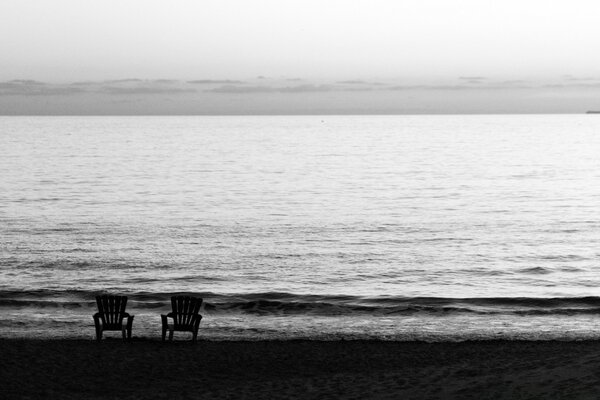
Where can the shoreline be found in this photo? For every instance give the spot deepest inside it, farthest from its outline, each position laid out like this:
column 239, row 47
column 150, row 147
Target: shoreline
column 148, row 368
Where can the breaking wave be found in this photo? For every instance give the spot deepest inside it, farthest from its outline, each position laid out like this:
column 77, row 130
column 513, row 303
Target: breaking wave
column 282, row 303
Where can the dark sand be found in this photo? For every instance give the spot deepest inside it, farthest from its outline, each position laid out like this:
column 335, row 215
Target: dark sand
column 77, row 369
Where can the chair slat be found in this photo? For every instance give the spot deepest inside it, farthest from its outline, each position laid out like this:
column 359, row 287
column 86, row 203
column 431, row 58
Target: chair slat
column 111, row 309
column 186, row 314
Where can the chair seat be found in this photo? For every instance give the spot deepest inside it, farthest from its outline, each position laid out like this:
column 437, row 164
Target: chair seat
column 114, row 327
column 173, row 327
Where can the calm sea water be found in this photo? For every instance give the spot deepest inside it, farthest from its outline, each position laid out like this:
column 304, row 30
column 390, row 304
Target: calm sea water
column 391, row 227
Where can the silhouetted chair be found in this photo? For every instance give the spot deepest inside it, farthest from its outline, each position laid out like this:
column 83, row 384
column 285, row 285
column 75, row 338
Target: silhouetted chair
column 110, row 315
column 185, row 315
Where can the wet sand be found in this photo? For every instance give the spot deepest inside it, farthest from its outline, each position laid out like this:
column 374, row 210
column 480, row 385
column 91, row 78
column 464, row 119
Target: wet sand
column 145, row 369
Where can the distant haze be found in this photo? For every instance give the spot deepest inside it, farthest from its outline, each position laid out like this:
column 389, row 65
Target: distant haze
column 291, row 57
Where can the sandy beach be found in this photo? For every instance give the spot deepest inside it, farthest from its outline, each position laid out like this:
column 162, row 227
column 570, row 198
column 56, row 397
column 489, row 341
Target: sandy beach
column 75, row 369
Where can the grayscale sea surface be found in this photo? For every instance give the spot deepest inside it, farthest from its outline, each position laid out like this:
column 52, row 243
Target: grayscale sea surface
column 319, row 227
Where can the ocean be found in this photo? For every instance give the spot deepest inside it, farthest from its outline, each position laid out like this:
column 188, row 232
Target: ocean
column 304, row 227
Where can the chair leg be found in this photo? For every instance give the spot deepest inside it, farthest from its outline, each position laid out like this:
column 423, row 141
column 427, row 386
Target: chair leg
column 164, row 333
column 171, row 334
column 98, row 328
column 123, row 332
column 194, row 336
column 129, row 326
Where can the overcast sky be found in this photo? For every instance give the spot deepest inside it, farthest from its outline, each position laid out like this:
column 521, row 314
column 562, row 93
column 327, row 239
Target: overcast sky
column 431, row 43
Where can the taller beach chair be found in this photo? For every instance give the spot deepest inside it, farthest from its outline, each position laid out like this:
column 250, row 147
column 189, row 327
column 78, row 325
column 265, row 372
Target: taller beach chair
column 110, row 316
column 185, row 315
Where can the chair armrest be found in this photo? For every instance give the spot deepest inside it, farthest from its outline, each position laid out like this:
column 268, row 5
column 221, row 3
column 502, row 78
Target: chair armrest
column 128, row 316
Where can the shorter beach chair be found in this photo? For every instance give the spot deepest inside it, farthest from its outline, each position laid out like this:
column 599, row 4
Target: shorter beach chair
column 110, row 315
column 185, row 316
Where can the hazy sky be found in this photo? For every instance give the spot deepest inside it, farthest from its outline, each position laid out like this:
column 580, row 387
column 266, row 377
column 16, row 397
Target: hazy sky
column 418, row 42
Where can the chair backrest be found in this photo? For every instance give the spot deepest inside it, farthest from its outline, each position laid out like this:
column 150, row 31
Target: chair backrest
column 185, row 309
column 111, row 309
